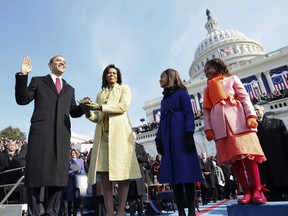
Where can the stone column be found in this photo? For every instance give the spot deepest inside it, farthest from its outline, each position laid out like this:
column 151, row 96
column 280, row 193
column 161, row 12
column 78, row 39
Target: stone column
column 269, row 80
column 261, row 84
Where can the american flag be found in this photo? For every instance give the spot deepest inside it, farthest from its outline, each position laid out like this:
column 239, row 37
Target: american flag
column 252, row 86
column 279, row 77
column 156, row 115
column 227, row 51
column 193, row 103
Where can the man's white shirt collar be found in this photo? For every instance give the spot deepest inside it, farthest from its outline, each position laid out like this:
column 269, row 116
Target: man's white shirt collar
column 53, row 76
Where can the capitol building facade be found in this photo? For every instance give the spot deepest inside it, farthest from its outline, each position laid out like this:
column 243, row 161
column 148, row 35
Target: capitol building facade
column 263, row 74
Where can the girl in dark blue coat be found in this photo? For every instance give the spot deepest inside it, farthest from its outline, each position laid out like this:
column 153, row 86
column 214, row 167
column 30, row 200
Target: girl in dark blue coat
column 174, row 140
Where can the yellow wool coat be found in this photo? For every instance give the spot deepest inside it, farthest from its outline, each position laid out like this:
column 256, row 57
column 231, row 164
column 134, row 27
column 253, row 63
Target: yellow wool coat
column 122, row 160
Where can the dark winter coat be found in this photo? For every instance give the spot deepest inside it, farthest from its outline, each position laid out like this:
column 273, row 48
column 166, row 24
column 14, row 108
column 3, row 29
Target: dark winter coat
column 137, row 187
column 48, row 156
column 207, row 166
column 17, row 161
column 177, row 118
column 273, row 136
column 230, row 178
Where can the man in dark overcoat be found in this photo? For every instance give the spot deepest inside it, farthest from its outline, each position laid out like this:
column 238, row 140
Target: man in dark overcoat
column 137, row 187
column 209, row 189
column 47, row 159
column 273, row 137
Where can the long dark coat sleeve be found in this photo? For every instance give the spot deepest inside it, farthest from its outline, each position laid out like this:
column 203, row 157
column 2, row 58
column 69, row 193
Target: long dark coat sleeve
column 49, row 136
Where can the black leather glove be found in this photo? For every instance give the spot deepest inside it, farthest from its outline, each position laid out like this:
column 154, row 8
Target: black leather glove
column 189, row 142
column 93, row 106
column 85, row 110
column 159, row 146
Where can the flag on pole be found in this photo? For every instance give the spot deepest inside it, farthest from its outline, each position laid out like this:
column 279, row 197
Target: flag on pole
column 280, row 80
column 227, row 51
column 156, row 115
column 193, row 103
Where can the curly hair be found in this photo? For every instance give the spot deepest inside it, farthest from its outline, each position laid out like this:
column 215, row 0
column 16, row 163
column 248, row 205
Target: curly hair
column 219, row 65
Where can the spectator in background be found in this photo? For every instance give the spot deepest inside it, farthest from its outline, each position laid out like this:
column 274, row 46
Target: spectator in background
column 273, row 136
column 137, row 187
column 209, row 187
column 76, row 166
column 230, row 182
column 11, row 158
column 15, row 156
column 156, row 168
column 147, row 171
column 100, row 208
column 219, row 180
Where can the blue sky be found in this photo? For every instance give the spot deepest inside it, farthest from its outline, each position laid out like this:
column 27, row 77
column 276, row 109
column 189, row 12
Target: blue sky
column 141, row 37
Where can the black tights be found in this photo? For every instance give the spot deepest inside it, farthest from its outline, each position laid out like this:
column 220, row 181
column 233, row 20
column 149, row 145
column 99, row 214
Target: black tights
column 180, row 192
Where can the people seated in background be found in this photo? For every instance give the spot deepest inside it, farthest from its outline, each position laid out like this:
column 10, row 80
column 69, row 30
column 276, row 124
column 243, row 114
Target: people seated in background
column 11, row 158
column 146, row 127
column 76, row 166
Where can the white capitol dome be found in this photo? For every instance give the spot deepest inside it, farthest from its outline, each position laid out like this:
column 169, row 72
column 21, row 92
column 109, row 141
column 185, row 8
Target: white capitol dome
column 227, row 44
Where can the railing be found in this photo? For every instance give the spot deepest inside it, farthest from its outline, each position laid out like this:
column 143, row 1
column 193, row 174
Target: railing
column 14, row 185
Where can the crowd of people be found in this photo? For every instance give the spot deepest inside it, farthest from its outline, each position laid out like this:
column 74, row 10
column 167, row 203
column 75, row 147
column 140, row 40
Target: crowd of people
column 275, row 95
column 146, row 127
column 150, row 126
column 13, row 158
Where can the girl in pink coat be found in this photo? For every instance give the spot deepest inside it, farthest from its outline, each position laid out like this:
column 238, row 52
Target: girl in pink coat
column 230, row 120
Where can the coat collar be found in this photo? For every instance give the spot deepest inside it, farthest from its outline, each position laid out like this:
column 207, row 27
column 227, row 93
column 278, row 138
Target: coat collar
column 48, row 79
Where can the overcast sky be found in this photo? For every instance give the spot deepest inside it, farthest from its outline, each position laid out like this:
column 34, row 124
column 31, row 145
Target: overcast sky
column 141, row 37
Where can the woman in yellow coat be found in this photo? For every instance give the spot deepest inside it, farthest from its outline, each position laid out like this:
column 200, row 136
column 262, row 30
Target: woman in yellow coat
column 113, row 155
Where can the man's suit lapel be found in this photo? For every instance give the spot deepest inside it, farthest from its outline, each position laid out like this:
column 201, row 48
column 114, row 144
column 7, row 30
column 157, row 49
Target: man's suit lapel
column 64, row 87
column 49, row 81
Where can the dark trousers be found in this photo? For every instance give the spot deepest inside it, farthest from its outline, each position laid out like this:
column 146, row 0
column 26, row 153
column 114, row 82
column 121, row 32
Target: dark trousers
column 51, row 202
column 136, row 202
